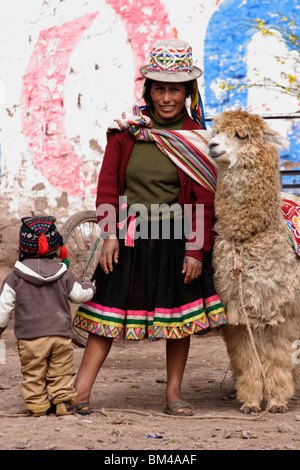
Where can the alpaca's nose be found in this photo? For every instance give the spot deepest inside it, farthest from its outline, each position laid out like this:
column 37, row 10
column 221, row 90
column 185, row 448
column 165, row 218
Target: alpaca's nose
column 212, row 144
column 212, row 148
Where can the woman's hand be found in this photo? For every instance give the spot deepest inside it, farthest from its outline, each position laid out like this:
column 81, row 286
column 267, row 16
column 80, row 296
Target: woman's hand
column 191, row 268
column 109, row 253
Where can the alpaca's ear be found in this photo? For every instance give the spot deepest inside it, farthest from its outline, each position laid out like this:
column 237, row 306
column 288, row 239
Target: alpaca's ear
column 275, row 138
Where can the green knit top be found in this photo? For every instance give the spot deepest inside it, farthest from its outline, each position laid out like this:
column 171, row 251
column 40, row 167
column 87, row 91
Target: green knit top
column 151, row 177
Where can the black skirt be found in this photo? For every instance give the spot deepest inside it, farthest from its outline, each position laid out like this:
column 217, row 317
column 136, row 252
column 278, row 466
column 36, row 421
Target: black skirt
column 145, row 295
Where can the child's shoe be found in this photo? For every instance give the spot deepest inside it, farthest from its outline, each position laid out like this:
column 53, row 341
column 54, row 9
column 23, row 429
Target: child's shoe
column 32, row 413
column 38, row 409
column 65, row 408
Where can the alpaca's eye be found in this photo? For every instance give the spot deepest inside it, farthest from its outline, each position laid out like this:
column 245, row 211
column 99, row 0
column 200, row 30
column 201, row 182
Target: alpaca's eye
column 241, row 134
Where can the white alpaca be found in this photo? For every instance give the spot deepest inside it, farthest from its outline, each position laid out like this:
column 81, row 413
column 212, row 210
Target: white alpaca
column 252, row 239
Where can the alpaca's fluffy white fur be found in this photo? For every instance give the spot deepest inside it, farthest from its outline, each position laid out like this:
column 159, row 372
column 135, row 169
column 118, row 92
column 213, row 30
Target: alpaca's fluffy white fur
column 249, row 221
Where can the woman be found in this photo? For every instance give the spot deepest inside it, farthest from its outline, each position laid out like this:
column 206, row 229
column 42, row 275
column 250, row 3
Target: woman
column 153, row 283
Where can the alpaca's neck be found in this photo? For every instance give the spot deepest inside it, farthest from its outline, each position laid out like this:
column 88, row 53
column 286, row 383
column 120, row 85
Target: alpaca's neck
column 246, row 205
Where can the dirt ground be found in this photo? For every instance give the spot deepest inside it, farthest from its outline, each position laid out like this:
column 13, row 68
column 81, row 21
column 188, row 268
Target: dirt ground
column 128, row 398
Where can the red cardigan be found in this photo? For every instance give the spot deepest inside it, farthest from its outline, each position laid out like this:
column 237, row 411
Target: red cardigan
column 111, row 184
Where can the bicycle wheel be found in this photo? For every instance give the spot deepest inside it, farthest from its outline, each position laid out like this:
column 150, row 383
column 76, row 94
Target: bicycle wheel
column 81, row 235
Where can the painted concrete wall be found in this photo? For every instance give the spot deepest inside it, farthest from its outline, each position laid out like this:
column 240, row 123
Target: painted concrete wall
column 69, row 67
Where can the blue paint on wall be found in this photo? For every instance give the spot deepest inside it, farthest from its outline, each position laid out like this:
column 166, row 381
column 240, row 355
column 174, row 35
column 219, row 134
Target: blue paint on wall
column 226, row 49
column 227, row 40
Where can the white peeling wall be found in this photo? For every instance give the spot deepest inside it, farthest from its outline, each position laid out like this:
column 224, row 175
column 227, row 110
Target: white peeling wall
column 69, row 67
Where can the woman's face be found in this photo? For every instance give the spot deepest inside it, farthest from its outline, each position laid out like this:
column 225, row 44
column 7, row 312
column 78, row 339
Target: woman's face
column 168, row 100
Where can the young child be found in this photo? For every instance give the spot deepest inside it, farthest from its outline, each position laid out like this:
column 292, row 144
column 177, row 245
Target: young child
column 38, row 290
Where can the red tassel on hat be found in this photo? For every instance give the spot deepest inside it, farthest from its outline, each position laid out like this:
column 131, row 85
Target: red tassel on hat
column 63, row 253
column 43, row 245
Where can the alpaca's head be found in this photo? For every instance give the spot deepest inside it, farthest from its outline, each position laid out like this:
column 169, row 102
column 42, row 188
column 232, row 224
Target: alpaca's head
column 240, row 139
column 247, row 199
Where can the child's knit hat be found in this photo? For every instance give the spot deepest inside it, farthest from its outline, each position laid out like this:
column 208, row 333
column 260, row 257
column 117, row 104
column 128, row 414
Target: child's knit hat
column 39, row 238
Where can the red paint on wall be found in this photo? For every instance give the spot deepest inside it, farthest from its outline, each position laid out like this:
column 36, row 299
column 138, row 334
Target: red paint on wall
column 43, row 106
column 42, row 98
column 145, row 21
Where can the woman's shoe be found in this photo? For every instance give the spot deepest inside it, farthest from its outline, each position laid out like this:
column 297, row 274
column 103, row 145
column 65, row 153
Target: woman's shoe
column 80, row 408
column 174, row 407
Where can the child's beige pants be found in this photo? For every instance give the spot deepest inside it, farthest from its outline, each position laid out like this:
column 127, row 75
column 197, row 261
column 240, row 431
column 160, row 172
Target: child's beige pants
column 48, row 370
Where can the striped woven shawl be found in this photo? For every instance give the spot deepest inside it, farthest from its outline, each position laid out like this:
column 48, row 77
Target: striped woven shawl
column 188, row 149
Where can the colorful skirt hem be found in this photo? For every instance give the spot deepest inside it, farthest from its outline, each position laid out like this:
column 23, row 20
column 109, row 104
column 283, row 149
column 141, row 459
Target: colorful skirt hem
column 145, row 295
column 160, row 324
